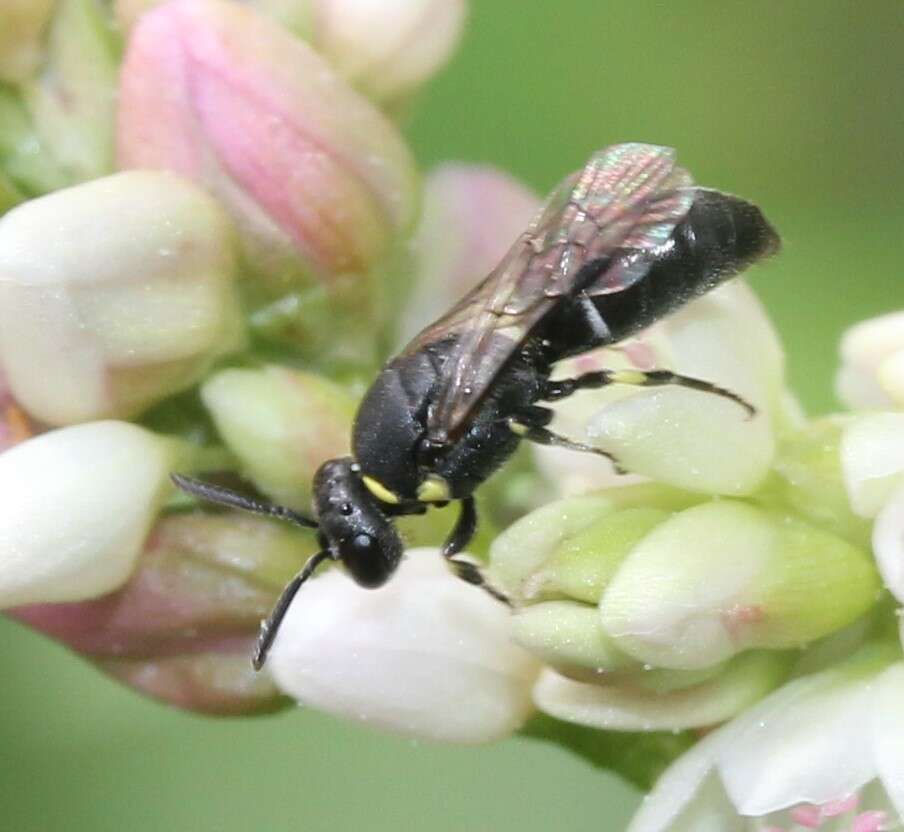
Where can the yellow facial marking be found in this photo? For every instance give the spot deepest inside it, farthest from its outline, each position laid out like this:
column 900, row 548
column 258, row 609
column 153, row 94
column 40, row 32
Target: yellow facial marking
column 628, row 377
column 380, row 491
column 517, row 428
column 434, row 489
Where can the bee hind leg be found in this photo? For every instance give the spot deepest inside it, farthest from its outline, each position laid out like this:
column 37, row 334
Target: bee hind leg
column 563, row 388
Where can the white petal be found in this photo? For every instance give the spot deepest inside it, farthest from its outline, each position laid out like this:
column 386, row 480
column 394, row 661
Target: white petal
column 888, row 733
column 888, row 543
column 891, row 376
column 388, row 55
column 426, row 655
column 688, row 788
column 623, row 707
column 807, row 743
column 864, row 348
column 77, row 505
column 872, row 460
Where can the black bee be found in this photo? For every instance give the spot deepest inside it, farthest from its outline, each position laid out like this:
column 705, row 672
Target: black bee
column 617, row 245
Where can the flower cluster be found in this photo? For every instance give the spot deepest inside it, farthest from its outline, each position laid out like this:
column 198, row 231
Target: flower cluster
column 208, row 216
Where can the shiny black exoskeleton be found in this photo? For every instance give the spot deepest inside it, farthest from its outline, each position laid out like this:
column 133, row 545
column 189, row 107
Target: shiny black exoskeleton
column 453, row 406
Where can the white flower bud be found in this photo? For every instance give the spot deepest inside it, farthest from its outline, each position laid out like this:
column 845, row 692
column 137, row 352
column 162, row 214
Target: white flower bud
column 872, row 460
column 426, row 655
column 113, row 295
column 77, row 504
column 872, row 363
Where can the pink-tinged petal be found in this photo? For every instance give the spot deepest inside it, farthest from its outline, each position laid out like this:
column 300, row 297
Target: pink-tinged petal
column 842, row 806
column 183, row 628
column 471, row 215
column 807, row 815
column 309, row 169
column 873, row 821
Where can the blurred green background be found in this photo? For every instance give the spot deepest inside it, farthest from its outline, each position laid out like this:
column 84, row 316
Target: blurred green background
column 797, row 106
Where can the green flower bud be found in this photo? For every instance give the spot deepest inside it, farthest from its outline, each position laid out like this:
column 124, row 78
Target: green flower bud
column 726, row 576
column 24, row 157
column 281, row 424
column 568, row 636
column 72, row 100
column 582, row 565
column 809, row 480
column 519, row 557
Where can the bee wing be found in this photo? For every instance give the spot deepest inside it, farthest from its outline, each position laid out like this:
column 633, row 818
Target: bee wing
column 627, row 197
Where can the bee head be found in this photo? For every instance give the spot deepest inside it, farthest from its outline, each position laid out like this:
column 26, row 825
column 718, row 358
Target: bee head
column 353, row 525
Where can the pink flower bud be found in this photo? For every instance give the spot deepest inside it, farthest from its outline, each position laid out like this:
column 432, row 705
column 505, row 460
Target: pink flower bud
column 311, row 171
column 183, row 628
column 471, row 215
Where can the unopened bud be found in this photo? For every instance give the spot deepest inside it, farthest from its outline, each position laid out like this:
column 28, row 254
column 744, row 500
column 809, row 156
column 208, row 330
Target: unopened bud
column 872, row 363
column 130, row 304
column 183, row 628
column 316, row 177
column 425, row 656
column 629, row 706
column 387, row 55
column 726, row 576
column 872, row 459
column 470, row 216
column 77, row 505
column 72, row 99
column 281, row 424
column 810, row 479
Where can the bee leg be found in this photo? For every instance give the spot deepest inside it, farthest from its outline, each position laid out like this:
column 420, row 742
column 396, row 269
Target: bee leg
column 530, row 423
column 270, row 625
column 458, row 539
column 561, row 389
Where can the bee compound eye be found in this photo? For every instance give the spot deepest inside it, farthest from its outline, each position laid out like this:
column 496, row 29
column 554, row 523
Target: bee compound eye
column 346, row 509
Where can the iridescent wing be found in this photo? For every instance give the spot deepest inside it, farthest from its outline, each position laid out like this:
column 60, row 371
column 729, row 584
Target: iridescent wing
column 627, row 198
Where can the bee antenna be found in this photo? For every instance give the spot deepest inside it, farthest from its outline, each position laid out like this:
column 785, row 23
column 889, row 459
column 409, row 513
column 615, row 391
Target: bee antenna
column 270, row 625
column 227, row 497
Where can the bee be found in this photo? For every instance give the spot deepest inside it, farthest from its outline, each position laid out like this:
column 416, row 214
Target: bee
column 616, row 246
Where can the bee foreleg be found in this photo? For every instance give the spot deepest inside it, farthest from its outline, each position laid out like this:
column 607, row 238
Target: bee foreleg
column 458, row 539
column 562, row 388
